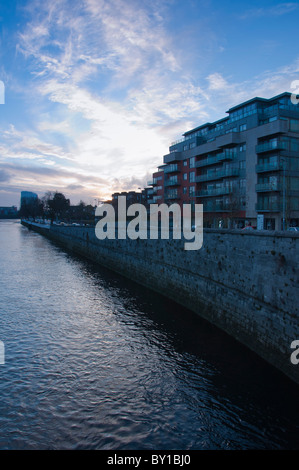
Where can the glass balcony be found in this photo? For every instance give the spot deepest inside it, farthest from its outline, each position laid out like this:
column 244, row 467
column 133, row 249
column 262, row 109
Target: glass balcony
column 216, row 207
column 207, row 161
column 171, row 196
column 268, row 146
column 211, row 160
column 263, row 167
column 227, row 155
column 172, row 183
column 213, row 192
column 271, row 186
column 262, row 207
column 217, row 175
column 171, row 169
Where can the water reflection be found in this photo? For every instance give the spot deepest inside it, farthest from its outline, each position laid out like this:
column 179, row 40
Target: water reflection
column 96, row 361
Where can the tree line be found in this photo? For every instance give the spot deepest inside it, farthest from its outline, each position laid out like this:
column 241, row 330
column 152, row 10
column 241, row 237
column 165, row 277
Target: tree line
column 56, row 207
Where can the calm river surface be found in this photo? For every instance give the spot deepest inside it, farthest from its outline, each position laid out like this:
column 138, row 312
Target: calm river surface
column 94, row 361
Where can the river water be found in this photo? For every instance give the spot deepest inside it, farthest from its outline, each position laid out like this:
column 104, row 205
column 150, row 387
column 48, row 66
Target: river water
column 94, row 361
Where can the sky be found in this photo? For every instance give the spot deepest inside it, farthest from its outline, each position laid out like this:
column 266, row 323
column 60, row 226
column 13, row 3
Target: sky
column 97, row 90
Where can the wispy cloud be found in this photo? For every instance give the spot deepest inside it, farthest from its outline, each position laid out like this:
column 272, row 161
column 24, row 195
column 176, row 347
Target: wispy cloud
column 71, row 43
column 111, row 89
column 276, row 10
column 4, row 176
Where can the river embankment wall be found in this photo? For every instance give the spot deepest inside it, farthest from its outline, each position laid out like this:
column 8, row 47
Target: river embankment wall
column 246, row 283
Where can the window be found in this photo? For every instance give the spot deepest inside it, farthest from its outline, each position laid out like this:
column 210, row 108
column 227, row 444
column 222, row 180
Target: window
column 294, row 203
column 192, row 145
column 185, row 163
column 185, row 176
column 192, row 162
column 234, row 129
column 184, row 190
column 173, row 179
column 294, row 184
column 171, row 194
column 192, row 177
column 294, row 163
column 192, row 191
column 186, row 147
column 242, row 165
column 294, row 125
column 243, row 147
column 243, row 127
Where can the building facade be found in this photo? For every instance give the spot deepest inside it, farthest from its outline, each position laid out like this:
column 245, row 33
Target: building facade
column 144, row 197
column 240, row 167
column 27, row 197
column 8, row 212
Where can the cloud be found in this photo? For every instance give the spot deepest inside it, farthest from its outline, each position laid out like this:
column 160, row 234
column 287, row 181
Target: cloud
column 277, row 10
column 73, row 42
column 224, row 93
column 114, row 90
column 217, row 82
column 4, row 176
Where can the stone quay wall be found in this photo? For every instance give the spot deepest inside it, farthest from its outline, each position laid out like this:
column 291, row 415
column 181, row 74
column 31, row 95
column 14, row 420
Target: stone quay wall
column 246, row 283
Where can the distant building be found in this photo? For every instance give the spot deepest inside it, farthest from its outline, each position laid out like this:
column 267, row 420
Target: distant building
column 144, row 197
column 8, row 212
column 29, row 204
column 132, row 197
column 28, row 197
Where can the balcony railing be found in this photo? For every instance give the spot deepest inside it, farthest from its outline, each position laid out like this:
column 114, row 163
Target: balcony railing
column 171, row 196
column 274, row 207
column 216, row 207
column 271, row 186
column 207, row 161
column 263, row 167
column 171, row 169
column 218, row 175
column 226, row 155
column 268, row 146
column 213, row 192
column 172, row 183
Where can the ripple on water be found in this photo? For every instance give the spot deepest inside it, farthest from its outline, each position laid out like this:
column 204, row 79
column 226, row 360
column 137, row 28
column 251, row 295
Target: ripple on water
column 95, row 361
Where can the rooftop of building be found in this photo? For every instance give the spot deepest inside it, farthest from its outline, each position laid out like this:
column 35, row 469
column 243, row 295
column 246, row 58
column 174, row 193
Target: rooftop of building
column 238, row 108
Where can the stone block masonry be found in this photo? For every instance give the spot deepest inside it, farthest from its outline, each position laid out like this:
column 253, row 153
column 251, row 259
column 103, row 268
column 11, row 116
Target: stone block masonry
column 243, row 282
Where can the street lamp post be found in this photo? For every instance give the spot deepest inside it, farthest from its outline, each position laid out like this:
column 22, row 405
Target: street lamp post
column 284, row 194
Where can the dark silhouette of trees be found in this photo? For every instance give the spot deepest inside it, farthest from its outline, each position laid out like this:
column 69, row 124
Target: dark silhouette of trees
column 32, row 208
column 57, row 205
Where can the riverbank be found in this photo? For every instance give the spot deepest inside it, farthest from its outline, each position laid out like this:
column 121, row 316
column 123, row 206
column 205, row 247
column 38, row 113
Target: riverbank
column 244, row 283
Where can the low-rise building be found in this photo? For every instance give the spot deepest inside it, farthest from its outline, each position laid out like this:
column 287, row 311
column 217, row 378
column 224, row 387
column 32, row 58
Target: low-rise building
column 8, row 212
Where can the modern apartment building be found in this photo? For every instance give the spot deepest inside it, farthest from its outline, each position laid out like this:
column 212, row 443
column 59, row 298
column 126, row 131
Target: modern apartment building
column 240, row 167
